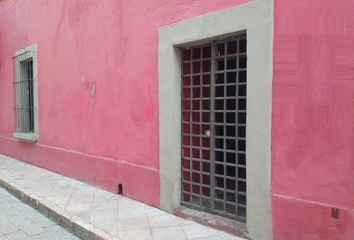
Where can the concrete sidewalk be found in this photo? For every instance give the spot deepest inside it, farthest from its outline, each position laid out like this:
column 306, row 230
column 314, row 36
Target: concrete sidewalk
column 92, row 213
column 18, row 221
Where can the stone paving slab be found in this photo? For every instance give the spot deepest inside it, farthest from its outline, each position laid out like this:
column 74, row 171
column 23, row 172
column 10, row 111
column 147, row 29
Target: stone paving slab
column 92, row 213
column 18, row 221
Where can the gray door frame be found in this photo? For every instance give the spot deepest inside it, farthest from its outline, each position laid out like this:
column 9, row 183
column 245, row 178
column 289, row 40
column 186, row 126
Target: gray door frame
column 256, row 18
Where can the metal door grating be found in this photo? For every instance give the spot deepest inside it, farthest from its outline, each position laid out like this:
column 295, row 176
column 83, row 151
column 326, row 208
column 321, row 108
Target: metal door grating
column 214, row 127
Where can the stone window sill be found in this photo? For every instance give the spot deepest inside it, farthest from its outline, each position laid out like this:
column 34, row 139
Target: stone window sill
column 28, row 137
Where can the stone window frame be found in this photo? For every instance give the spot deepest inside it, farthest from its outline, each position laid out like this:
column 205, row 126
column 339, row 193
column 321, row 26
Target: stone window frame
column 33, row 50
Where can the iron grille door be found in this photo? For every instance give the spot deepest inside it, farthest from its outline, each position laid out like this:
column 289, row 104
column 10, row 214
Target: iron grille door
column 214, row 127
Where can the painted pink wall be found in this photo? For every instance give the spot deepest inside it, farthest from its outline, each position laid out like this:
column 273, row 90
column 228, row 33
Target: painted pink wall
column 313, row 119
column 109, row 138
column 112, row 137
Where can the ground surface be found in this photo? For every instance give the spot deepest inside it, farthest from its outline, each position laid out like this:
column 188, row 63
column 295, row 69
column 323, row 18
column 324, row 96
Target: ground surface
column 111, row 215
column 18, row 221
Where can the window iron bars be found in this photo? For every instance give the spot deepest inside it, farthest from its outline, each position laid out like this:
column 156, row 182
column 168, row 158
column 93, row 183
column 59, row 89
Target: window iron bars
column 24, row 92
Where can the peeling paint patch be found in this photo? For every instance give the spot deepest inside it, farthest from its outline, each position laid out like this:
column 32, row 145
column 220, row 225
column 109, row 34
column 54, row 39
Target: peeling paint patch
column 93, row 90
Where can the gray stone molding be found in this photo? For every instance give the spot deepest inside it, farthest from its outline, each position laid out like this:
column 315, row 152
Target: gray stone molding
column 256, row 19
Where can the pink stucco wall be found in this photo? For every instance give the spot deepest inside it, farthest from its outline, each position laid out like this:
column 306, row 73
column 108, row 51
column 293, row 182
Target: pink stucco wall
column 313, row 119
column 111, row 137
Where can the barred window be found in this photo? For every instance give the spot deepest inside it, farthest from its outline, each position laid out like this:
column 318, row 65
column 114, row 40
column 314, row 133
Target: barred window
column 25, row 86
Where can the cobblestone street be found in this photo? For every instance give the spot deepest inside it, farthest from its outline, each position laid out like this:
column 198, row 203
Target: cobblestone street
column 18, row 221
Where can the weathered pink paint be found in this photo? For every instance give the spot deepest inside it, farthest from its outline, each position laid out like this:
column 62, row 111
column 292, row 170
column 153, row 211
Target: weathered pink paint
column 111, row 137
column 313, row 119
